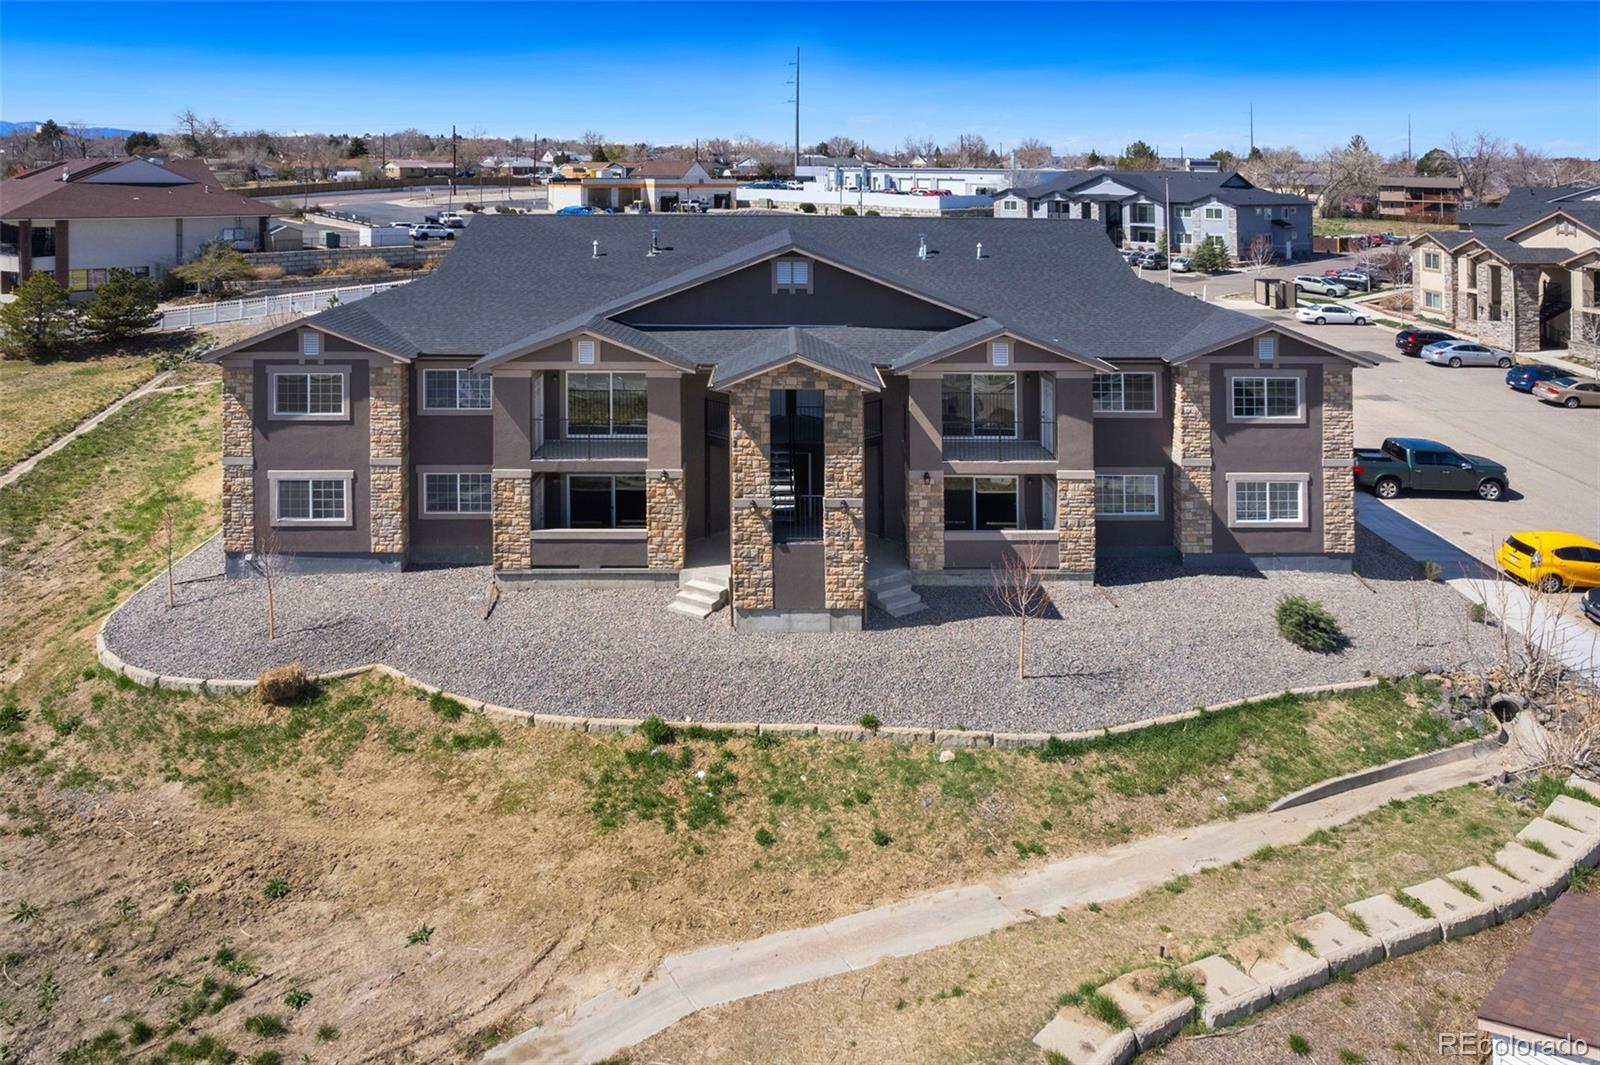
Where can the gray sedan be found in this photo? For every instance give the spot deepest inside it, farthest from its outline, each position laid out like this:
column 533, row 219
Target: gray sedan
column 1465, row 353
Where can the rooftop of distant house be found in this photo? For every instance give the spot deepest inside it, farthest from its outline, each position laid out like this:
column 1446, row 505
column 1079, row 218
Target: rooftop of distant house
column 123, row 187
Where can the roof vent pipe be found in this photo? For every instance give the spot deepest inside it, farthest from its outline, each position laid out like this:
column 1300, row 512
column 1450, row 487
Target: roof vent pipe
column 594, row 253
column 655, row 245
column 980, row 249
column 922, row 246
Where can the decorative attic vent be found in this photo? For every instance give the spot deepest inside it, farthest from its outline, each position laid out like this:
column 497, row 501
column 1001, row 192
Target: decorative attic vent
column 311, row 344
column 1266, row 348
column 1000, row 353
column 585, row 353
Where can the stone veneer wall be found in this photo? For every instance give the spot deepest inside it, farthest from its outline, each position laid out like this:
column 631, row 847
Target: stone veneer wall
column 1191, row 458
column 1497, row 334
column 238, row 458
column 511, row 515
column 1338, row 438
column 665, row 546
column 387, row 459
column 1525, row 308
column 925, row 522
column 750, row 527
column 1075, row 523
column 844, row 463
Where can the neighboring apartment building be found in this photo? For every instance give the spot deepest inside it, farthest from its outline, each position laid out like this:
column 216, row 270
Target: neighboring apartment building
column 396, row 169
column 825, row 174
column 789, row 397
column 79, row 219
column 656, row 185
column 1419, row 199
column 1133, row 206
column 1524, row 278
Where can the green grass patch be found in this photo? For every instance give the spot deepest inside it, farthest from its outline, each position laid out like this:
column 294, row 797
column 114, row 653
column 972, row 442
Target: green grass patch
column 1088, row 997
column 1544, row 789
column 1412, row 903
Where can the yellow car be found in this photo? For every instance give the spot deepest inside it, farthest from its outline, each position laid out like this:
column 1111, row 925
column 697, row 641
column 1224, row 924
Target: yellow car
column 1554, row 561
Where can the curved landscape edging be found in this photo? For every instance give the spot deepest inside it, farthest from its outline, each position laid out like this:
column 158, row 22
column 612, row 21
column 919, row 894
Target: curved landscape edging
column 951, row 738
column 1390, row 770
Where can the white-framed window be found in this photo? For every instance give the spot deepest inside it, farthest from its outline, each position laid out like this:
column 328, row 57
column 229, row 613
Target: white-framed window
column 1431, row 260
column 310, row 497
column 1267, row 499
column 597, row 501
column 1126, row 393
column 791, row 275
column 451, row 493
column 1127, row 495
column 310, row 394
column 311, row 344
column 1012, row 205
column 1434, row 301
column 1182, row 212
column 1265, row 398
column 1266, row 348
column 1000, row 353
column 455, row 389
column 1143, row 213
column 1142, row 234
column 981, row 504
column 606, row 404
column 979, row 404
column 583, row 352
column 1214, row 213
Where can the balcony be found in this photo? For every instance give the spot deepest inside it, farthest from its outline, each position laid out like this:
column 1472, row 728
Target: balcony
column 577, row 439
column 1026, row 442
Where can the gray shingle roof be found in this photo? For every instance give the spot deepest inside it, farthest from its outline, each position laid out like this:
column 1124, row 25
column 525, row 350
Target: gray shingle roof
column 1525, row 203
column 514, row 279
column 776, row 347
column 1182, row 187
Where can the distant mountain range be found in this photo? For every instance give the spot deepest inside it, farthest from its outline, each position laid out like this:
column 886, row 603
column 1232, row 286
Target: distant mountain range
column 7, row 128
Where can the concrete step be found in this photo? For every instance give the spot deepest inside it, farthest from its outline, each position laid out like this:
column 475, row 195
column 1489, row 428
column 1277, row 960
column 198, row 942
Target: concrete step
column 709, row 585
column 897, row 600
column 897, row 579
column 699, row 597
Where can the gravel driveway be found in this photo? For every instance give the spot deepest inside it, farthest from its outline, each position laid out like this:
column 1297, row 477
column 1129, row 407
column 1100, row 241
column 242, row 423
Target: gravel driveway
column 1150, row 641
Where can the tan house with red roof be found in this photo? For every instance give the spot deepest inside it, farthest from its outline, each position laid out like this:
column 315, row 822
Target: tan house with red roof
column 654, row 185
column 79, row 219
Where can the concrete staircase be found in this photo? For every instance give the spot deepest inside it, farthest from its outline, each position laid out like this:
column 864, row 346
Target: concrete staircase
column 892, row 593
column 701, row 593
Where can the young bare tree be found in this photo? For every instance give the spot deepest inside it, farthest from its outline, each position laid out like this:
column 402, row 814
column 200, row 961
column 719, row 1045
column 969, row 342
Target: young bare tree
column 1016, row 589
column 169, row 537
column 1260, row 253
column 271, row 561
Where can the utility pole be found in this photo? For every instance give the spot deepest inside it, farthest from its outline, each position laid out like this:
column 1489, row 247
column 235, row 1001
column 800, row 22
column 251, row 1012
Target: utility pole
column 796, row 101
column 1252, row 129
column 1408, row 138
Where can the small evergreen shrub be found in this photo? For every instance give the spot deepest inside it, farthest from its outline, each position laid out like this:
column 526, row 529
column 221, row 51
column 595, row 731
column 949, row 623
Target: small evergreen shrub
column 656, row 731
column 1308, row 624
column 808, row 208
column 848, row 211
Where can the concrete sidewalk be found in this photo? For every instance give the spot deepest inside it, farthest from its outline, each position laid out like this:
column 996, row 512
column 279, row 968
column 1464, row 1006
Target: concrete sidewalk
column 686, row 983
column 1530, row 614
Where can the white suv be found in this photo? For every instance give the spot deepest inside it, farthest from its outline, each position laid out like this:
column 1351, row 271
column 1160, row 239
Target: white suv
column 1322, row 286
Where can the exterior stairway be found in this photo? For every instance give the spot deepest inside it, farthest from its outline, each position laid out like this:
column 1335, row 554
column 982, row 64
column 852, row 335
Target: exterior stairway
column 892, row 593
column 701, row 592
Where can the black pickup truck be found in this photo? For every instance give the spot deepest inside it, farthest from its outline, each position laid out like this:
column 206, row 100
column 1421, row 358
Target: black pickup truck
column 1426, row 465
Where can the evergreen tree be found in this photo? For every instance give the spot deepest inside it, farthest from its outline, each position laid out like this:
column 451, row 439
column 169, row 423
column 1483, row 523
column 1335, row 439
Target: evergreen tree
column 40, row 320
column 142, row 143
column 124, row 306
column 1211, row 256
column 358, row 147
column 1139, row 156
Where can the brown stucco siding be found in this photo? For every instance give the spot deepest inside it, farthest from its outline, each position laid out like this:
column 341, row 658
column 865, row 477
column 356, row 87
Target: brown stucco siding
column 1138, row 443
column 453, row 440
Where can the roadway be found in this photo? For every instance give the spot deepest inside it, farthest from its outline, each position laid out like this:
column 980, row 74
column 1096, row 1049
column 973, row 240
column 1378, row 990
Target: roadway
column 383, row 206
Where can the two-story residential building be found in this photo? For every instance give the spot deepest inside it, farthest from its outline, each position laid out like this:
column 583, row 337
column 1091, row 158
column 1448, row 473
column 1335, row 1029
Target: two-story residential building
column 790, row 398
column 1525, row 278
column 1418, row 198
column 82, row 218
column 1142, row 209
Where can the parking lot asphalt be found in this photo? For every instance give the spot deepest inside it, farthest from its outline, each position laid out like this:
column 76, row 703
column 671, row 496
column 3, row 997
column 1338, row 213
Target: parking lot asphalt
column 383, row 206
column 1212, row 286
column 1551, row 455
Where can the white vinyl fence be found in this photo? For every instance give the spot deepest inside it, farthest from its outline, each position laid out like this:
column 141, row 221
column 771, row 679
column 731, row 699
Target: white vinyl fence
column 287, row 306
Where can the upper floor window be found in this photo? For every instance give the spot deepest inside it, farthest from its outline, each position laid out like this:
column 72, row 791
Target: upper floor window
column 1144, row 213
column 1431, row 260
column 455, row 389
column 311, row 344
column 1182, row 212
column 979, row 404
column 792, row 275
column 1264, row 398
column 606, row 404
column 309, row 394
column 1125, row 393
column 1214, row 213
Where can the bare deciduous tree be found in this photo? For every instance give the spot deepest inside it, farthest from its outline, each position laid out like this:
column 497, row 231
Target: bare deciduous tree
column 1481, row 162
column 1016, row 589
column 1260, row 252
column 169, row 537
column 1032, row 153
column 271, row 561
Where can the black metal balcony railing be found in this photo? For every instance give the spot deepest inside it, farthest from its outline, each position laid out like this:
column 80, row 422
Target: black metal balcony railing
column 796, row 518
column 1023, row 442
column 578, row 438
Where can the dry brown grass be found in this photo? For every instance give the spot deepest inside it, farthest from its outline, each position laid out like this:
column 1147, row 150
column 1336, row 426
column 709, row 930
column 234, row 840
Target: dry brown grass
column 364, row 266
column 39, row 401
column 267, row 272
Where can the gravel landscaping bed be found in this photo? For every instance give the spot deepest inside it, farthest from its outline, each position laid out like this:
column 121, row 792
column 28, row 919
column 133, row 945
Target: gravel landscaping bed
column 1151, row 640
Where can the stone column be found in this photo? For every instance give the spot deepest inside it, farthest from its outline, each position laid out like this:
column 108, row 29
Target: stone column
column 388, row 474
column 844, row 527
column 511, row 518
column 925, row 521
column 1524, row 308
column 1191, row 459
column 1338, row 438
column 1075, row 523
column 238, row 459
column 750, row 486
column 664, row 510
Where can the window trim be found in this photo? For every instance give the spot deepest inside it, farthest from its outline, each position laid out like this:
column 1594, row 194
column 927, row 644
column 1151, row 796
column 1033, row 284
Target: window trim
column 466, row 367
column 308, row 371
column 1431, row 300
column 972, row 415
column 1220, row 216
column 1132, row 471
column 1437, row 259
column 566, row 503
column 424, row 472
column 1155, row 390
column 1299, row 417
column 345, row 477
column 791, row 286
column 1302, row 481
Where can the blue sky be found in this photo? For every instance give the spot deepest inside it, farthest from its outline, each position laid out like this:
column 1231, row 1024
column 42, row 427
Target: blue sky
column 1078, row 76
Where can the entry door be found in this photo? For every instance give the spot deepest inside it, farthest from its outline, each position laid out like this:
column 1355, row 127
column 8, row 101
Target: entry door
column 1047, row 412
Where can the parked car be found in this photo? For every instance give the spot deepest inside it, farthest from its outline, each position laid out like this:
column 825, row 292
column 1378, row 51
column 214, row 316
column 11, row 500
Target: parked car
column 1552, row 561
column 1323, row 313
column 1412, row 463
column 1591, row 605
column 1569, row 392
column 427, row 231
column 1358, row 279
column 1322, row 286
column 1131, row 257
column 1412, row 341
column 1180, row 264
column 1523, row 378
column 451, row 220
column 1152, row 261
column 1457, row 353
